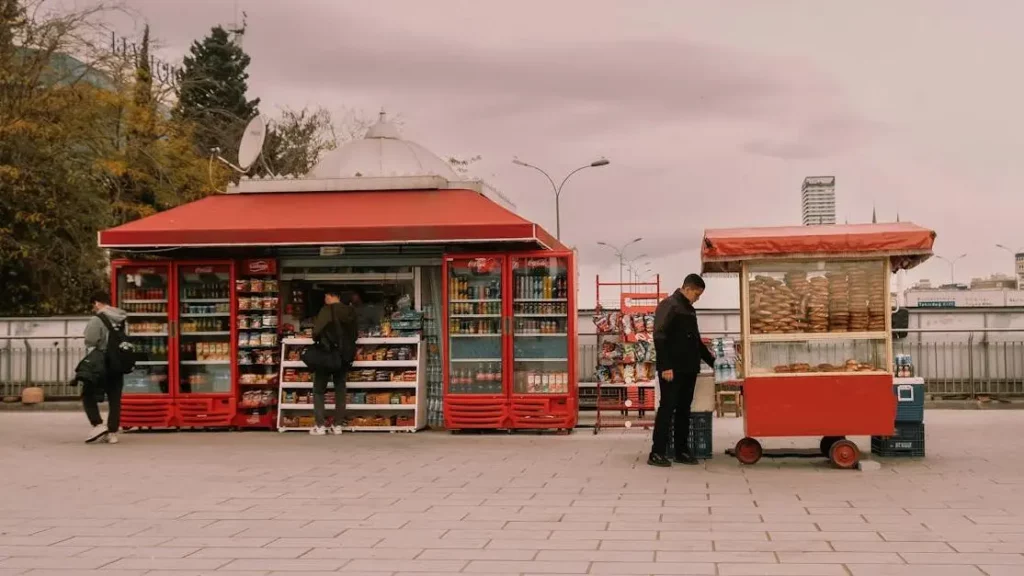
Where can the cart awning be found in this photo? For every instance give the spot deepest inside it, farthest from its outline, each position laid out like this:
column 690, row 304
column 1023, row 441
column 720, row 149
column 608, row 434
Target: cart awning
column 905, row 244
column 330, row 218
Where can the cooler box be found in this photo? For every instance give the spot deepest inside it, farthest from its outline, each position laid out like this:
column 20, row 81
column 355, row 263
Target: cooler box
column 909, row 399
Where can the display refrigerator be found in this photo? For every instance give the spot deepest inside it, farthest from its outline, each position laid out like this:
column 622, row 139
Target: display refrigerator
column 542, row 342
column 144, row 292
column 475, row 331
column 180, row 319
column 205, row 335
column 509, row 358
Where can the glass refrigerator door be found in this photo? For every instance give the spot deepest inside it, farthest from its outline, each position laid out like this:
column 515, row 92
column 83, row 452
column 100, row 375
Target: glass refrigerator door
column 475, row 341
column 142, row 292
column 204, row 329
column 540, row 325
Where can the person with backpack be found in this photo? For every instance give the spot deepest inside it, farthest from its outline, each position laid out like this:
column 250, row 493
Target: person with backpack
column 335, row 331
column 106, row 332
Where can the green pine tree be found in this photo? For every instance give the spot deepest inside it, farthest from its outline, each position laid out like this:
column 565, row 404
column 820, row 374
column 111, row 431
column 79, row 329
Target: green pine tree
column 212, row 86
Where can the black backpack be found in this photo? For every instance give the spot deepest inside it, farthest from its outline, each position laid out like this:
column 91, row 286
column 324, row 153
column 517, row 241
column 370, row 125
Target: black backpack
column 120, row 352
column 346, row 345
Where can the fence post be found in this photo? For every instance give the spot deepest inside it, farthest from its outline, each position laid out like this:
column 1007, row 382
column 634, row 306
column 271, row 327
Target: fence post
column 970, row 364
column 28, row 366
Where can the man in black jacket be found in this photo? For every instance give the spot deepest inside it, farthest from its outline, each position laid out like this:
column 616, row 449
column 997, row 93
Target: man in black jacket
column 679, row 351
column 336, row 327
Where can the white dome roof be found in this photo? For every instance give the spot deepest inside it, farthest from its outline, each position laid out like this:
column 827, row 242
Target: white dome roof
column 380, row 154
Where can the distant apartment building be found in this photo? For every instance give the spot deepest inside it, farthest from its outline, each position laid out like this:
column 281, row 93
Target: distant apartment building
column 1019, row 261
column 998, row 290
column 818, row 200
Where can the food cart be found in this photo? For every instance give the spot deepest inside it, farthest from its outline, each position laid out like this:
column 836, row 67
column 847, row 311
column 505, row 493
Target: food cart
column 815, row 308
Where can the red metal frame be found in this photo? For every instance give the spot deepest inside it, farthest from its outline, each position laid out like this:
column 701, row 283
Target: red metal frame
column 207, row 410
column 150, row 410
column 475, row 411
column 558, row 411
column 634, row 405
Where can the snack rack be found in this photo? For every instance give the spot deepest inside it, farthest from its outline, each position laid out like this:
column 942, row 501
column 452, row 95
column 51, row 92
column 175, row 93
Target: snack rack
column 817, row 337
column 258, row 304
column 386, row 388
column 626, row 384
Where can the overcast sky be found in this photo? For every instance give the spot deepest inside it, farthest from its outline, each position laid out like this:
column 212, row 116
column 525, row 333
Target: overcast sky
column 711, row 112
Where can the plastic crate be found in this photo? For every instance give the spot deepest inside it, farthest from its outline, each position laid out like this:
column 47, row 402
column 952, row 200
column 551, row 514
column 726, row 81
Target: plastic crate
column 909, row 402
column 907, row 441
column 700, row 435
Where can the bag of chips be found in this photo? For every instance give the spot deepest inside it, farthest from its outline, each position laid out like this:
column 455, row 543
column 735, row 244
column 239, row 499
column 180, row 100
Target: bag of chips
column 628, row 353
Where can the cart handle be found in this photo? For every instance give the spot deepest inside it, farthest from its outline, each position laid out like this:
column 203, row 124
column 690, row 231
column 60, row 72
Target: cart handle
column 900, row 389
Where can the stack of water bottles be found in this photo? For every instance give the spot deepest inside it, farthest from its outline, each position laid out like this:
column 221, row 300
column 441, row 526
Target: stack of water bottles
column 724, row 350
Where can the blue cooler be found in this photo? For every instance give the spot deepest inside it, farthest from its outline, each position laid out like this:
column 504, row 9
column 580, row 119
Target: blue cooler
column 909, row 399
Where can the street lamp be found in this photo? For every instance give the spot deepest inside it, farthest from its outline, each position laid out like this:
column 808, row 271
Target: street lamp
column 952, row 265
column 631, row 266
column 558, row 189
column 619, row 251
column 1014, row 254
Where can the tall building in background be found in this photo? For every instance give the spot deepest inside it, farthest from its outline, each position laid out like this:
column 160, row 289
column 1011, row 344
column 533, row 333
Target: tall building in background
column 818, row 200
column 1018, row 259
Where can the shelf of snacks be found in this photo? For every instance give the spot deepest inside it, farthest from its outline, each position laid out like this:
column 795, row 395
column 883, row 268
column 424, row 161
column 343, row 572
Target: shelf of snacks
column 258, row 355
column 388, row 377
column 626, row 352
column 142, row 292
column 626, row 389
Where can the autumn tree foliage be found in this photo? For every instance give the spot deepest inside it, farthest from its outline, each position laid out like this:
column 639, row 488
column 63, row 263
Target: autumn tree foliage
column 84, row 145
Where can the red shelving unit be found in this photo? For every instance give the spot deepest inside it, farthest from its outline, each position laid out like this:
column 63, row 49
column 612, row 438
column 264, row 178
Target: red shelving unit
column 627, row 404
column 258, row 357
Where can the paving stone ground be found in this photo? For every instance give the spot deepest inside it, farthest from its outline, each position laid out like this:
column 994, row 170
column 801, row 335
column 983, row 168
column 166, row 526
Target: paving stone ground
column 180, row 504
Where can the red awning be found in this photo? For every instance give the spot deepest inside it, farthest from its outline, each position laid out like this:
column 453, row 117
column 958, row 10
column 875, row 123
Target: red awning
column 905, row 244
column 296, row 218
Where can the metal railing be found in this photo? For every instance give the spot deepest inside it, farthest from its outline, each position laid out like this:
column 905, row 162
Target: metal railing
column 47, row 362
column 976, row 367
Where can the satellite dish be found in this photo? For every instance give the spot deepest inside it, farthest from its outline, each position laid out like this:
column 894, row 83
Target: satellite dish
column 252, row 142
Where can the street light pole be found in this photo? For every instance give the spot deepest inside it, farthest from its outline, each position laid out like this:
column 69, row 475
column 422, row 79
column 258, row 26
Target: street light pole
column 1013, row 253
column 632, row 267
column 558, row 189
column 619, row 251
column 952, row 266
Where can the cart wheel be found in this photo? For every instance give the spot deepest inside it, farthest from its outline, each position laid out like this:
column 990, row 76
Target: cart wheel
column 827, row 442
column 844, row 454
column 748, row 451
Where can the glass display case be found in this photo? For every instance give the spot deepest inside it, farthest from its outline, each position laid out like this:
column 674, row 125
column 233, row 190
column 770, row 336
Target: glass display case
column 204, row 329
column 816, row 316
column 475, row 327
column 540, row 325
column 142, row 292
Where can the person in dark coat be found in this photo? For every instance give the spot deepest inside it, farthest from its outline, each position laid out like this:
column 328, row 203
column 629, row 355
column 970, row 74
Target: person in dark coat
column 335, row 325
column 679, row 350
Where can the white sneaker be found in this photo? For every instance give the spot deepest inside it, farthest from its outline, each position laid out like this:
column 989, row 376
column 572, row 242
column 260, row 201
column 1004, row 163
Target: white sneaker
column 318, row 431
column 99, row 431
column 112, row 438
column 337, row 430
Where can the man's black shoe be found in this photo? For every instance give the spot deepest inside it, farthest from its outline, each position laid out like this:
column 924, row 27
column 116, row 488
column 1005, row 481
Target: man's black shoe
column 686, row 459
column 658, row 460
